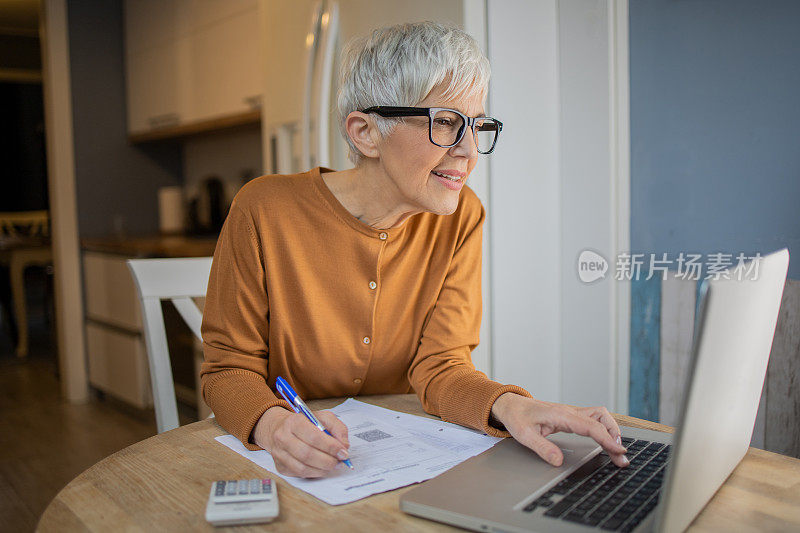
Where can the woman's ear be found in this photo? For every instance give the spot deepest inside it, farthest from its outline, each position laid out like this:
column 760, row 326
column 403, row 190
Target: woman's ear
column 363, row 133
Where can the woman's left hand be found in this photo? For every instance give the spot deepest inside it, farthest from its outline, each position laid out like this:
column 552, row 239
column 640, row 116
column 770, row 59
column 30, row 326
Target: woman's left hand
column 529, row 421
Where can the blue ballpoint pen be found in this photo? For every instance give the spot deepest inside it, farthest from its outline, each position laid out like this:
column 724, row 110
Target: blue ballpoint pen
column 299, row 406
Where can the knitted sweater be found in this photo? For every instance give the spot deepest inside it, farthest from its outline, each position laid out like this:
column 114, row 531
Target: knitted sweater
column 301, row 288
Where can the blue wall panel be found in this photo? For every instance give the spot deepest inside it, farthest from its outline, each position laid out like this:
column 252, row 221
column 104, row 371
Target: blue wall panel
column 645, row 362
column 715, row 126
column 715, row 131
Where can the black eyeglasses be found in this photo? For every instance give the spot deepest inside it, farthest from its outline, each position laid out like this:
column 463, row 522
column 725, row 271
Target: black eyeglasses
column 446, row 127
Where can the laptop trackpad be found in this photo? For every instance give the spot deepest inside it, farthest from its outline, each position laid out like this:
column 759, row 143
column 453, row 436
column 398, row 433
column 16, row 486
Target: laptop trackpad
column 522, row 471
column 501, row 477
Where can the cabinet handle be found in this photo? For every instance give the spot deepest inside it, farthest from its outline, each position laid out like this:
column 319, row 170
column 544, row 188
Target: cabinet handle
column 253, row 101
column 161, row 121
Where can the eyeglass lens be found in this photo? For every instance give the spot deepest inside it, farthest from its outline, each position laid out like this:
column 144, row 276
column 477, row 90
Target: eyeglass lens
column 446, row 127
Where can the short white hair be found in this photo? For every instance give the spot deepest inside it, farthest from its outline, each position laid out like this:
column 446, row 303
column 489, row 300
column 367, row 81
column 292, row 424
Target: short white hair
column 399, row 65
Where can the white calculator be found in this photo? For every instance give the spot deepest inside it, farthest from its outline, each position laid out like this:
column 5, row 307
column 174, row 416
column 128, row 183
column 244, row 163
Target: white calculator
column 243, row 501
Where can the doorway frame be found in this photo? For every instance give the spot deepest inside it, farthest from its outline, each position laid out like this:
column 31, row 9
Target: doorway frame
column 56, row 87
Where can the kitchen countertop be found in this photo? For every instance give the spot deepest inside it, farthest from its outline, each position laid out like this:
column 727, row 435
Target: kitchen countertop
column 152, row 245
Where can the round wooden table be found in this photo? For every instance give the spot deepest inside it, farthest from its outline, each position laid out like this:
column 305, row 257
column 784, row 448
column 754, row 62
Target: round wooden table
column 162, row 484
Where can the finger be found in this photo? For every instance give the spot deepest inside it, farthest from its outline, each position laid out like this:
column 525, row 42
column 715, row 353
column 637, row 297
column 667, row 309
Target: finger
column 311, row 456
column 290, row 444
column 583, row 425
column 287, row 465
column 335, row 426
column 320, row 441
column 619, row 459
column 543, row 447
column 602, row 415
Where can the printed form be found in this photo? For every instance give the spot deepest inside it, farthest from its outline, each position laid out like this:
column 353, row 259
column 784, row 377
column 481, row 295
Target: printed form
column 388, row 450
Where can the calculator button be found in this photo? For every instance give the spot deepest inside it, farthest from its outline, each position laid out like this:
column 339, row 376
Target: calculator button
column 243, row 485
column 254, row 486
column 230, row 488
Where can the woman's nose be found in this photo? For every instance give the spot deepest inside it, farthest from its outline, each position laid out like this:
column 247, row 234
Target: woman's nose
column 466, row 147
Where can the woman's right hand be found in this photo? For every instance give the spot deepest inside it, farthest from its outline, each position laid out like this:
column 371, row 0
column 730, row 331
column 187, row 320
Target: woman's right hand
column 297, row 446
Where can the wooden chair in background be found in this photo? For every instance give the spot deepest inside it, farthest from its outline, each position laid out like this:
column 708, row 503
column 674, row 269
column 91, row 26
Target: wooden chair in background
column 177, row 280
column 24, row 242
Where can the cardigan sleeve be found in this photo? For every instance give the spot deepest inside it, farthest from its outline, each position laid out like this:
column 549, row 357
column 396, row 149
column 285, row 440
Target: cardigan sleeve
column 441, row 372
column 235, row 331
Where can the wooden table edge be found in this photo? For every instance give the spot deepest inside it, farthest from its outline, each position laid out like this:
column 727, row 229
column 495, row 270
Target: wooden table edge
column 211, row 424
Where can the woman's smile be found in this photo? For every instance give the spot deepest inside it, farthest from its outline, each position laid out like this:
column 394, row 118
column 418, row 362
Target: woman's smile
column 453, row 183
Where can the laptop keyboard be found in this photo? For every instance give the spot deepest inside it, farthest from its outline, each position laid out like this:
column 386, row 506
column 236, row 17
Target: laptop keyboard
column 599, row 494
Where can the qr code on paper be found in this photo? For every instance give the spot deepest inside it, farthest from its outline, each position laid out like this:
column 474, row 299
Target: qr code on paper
column 372, row 435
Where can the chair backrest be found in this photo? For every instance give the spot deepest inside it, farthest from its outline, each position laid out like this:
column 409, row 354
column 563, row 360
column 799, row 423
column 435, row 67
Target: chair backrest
column 25, row 223
column 177, row 280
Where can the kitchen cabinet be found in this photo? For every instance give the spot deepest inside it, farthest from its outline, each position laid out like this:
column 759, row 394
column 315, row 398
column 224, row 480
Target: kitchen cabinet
column 111, row 295
column 156, row 82
column 114, row 340
column 225, row 75
column 191, row 63
column 118, row 364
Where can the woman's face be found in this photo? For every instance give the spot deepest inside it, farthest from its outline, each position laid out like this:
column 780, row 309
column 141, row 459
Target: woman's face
column 410, row 159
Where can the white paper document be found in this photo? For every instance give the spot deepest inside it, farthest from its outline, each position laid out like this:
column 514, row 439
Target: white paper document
column 388, row 450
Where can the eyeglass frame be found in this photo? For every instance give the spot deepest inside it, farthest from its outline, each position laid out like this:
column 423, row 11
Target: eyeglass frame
column 430, row 112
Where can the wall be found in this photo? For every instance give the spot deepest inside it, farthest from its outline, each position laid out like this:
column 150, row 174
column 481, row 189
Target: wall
column 715, row 126
column 232, row 156
column 555, row 192
column 714, row 168
column 116, row 182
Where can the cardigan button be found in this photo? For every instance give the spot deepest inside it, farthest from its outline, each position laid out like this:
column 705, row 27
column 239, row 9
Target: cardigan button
column 373, row 285
column 366, row 340
column 357, row 381
column 383, row 236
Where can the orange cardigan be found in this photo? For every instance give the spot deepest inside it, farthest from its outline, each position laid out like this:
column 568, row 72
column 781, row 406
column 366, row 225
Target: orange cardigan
column 300, row 288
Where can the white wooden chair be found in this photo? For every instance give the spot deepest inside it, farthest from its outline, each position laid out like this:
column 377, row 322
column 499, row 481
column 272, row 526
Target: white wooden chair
column 177, row 280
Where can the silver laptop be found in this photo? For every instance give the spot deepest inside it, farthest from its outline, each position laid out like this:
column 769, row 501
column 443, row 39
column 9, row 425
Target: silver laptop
column 671, row 477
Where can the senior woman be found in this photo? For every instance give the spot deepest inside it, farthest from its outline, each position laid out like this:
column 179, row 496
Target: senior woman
column 368, row 280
